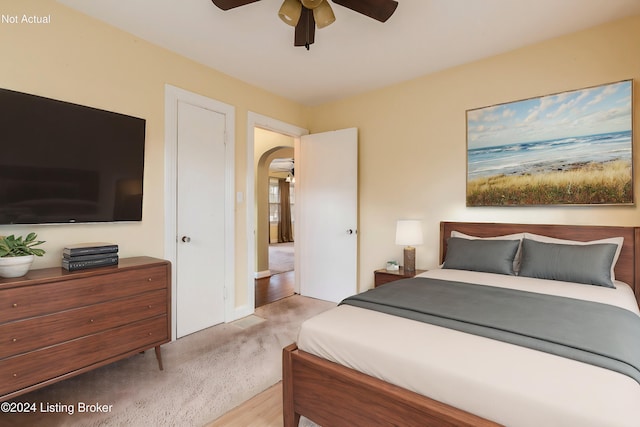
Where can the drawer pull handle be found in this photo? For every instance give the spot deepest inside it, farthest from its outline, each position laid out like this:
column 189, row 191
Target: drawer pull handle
column 15, row 375
column 150, row 334
column 149, row 306
column 91, row 321
column 15, row 304
column 149, row 279
column 14, row 340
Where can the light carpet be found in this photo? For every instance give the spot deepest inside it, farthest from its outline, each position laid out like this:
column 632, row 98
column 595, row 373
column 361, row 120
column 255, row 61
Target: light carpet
column 205, row 375
column 281, row 257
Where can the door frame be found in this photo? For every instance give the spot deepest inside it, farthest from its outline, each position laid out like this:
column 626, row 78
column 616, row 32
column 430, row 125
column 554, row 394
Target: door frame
column 172, row 96
column 255, row 120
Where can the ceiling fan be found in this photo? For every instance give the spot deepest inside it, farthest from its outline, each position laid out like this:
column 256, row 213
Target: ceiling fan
column 305, row 15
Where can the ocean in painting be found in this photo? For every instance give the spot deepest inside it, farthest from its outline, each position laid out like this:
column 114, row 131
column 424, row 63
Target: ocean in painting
column 547, row 156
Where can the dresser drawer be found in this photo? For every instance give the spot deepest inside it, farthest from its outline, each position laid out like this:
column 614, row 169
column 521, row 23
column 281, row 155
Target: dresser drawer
column 36, row 332
column 50, row 362
column 29, row 301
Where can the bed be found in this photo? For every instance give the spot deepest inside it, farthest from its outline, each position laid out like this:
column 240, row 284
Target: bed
column 490, row 383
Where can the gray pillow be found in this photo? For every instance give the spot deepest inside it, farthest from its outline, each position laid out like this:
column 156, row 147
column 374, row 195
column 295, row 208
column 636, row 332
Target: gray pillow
column 490, row 256
column 588, row 264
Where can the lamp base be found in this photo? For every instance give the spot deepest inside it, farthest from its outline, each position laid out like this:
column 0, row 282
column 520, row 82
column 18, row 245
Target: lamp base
column 410, row 260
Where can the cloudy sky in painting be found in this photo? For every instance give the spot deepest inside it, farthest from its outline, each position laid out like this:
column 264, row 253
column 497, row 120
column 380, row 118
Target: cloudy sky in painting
column 590, row 111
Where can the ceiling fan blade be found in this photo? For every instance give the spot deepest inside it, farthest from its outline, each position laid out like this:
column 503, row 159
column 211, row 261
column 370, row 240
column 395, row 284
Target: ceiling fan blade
column 380, row 10
column 230, row 4
column 306, row 29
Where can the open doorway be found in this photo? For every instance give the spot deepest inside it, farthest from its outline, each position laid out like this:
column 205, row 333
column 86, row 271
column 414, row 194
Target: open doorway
column 282, row 198
column 275, row 219
column 339, row 242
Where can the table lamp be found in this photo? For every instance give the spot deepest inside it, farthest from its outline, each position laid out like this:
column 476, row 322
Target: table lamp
column 409, row 233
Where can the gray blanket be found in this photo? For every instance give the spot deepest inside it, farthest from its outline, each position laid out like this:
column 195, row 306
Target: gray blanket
column 590, row 332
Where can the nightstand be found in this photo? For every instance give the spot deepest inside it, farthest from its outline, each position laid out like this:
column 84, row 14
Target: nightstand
column 383, row 276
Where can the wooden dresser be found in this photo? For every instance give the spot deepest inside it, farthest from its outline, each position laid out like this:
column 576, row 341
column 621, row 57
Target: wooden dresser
column 55, row 324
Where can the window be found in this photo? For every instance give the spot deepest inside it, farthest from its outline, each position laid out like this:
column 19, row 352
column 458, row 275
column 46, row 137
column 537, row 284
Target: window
column 274, row 200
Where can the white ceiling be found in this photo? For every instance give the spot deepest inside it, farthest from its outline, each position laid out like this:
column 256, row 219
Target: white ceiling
column 356, row 53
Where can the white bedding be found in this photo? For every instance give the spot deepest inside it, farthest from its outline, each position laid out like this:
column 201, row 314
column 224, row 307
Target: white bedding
column 511, row 385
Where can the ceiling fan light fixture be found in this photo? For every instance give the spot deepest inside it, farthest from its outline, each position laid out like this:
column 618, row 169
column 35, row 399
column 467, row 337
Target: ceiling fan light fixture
column 307, row 15
column 312, row 4
column 323, row 14
column 290, row 12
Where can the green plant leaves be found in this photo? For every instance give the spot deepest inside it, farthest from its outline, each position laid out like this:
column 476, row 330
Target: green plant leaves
column 12, row 246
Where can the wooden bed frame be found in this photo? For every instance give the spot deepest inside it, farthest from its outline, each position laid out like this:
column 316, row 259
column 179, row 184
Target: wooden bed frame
column 333, row 395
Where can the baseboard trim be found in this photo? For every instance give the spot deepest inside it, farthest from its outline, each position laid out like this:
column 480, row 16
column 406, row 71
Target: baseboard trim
column 262, row 274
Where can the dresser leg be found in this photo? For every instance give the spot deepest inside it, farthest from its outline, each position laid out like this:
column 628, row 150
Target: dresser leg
column 159, row 357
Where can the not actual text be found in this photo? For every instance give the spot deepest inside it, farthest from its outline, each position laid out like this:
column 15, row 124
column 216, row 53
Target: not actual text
column 25, row 19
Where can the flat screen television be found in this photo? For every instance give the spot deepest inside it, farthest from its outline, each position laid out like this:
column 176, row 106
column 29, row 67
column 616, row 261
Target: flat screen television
column 66, row 163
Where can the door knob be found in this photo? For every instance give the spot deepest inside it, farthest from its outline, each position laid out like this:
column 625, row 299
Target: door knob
column 186, row 239
column 349, row 231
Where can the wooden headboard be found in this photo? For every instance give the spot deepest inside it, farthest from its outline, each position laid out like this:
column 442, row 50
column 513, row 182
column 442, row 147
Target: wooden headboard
column 627, row 269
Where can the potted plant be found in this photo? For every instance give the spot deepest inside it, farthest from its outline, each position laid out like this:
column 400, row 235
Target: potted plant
column 17, row 254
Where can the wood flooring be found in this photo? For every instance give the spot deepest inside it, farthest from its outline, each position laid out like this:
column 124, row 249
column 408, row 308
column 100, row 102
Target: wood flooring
column 263, row 410
column 273, row 288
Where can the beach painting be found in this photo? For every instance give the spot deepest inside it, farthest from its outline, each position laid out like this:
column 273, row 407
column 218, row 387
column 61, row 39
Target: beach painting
column 570, row 148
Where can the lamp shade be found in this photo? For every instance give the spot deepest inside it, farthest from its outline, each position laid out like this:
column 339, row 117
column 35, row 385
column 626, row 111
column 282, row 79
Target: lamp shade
column 290, row 12
column 323, row 15
column 409, row 232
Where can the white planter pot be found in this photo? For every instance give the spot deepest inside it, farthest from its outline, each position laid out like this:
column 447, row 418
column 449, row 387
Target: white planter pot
column 16, row 266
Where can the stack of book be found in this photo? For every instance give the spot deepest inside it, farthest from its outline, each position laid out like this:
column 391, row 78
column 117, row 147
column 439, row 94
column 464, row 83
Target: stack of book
column 89, row 255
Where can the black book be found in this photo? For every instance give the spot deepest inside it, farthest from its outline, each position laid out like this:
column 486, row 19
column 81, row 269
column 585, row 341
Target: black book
column 89, row 249
column 89, row 256
column 71, row 265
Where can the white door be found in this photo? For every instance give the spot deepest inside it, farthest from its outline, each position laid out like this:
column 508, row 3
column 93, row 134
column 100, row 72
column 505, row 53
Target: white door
column 200, row 218
column 327, row 199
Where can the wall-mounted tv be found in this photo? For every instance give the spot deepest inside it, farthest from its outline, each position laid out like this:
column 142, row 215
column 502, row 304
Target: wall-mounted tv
column 66, row 163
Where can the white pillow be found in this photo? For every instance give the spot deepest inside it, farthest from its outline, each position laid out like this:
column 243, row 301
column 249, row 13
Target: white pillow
column 516, row 236
column 615, row 240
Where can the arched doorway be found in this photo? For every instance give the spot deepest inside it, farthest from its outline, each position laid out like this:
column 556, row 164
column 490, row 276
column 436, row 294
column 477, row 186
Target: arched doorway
column 275, row 223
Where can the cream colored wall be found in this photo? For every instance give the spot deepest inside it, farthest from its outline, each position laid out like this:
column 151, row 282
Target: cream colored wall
column 79, row 59
column 265, row 140
column 412, row 137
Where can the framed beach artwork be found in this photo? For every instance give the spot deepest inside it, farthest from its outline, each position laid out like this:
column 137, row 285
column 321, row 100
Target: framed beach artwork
column 570, row 148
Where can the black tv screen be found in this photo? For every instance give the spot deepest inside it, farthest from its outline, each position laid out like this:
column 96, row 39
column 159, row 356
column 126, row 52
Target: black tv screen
column 66, row 163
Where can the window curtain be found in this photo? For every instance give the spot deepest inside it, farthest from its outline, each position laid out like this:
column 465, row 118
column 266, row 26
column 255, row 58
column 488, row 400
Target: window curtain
column 285, row 230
